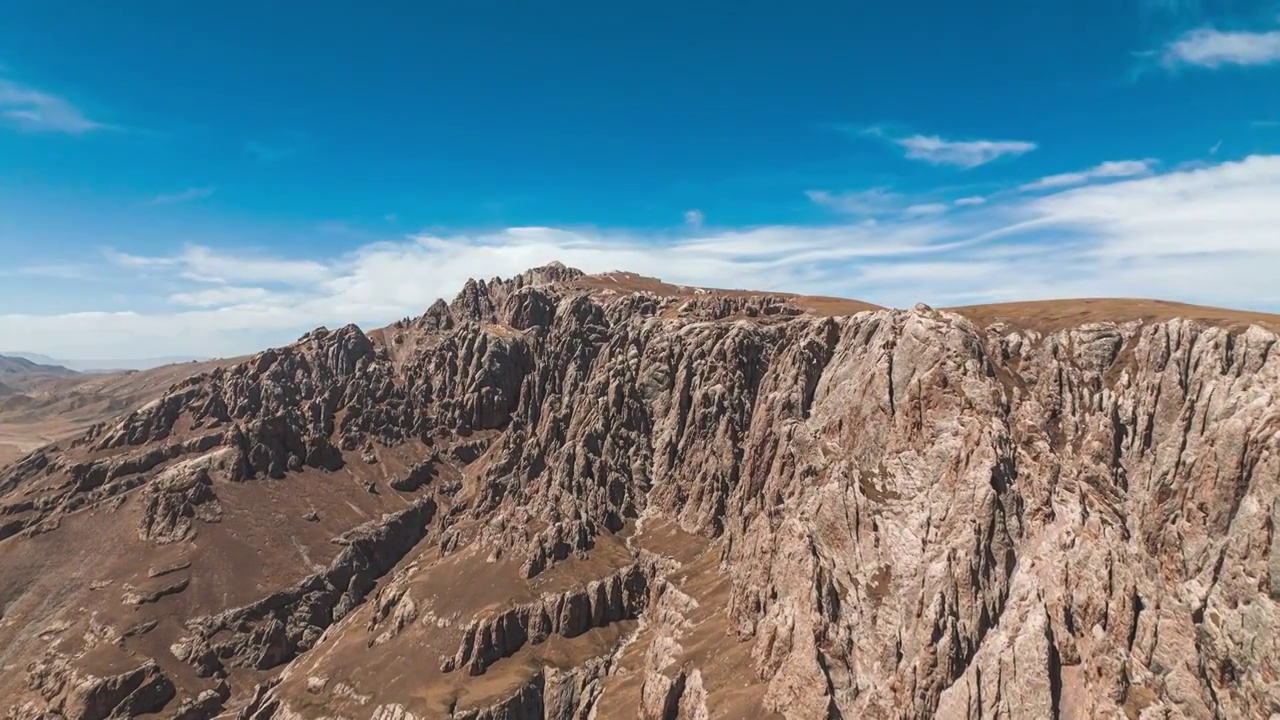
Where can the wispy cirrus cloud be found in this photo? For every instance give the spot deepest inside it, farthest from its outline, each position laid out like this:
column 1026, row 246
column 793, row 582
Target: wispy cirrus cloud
column 694, row 218
column 197, row 263
column 1210, row 48
column 925, row 209
column 31, row 110
column 222, row 296
column 188, row 195
column 1105, row 171
column 870, row 203
column 880, row 203
column 965, row 154
column 936, row 150
column 1204, row 234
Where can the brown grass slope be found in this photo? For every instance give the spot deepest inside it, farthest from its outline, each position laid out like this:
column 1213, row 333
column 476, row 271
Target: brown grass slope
column 1052, row 315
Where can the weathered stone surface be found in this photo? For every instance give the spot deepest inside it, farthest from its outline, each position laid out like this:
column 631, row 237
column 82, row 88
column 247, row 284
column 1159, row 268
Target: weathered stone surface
column 81, row 696
column 615, row 498
column 415, row 477
column 206, row 706
column 180, row 495
column 485, row 641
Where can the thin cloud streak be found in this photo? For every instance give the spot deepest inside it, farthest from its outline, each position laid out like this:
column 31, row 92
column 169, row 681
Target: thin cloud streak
column 924, row 209
column 31, row 110
column 1202, row 235
column 936, row 150
column 873, row 202
column 962, row 154
column 197, row 263
column 223, row 297
column 1105, row 171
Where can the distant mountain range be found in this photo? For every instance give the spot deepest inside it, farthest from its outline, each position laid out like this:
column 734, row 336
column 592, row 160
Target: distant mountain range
column 12, row 366
column 19, row 375
column 99, row 366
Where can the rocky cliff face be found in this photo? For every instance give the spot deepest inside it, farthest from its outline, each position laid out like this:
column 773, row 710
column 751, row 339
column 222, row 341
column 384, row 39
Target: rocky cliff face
column 566, row 496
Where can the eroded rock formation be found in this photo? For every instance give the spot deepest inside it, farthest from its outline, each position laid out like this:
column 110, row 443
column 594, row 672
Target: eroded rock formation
column 567, row 496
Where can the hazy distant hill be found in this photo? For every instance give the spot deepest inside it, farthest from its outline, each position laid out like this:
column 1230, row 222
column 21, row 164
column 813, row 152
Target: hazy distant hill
column 43, row 403
column 102, row 366
column 18, row 372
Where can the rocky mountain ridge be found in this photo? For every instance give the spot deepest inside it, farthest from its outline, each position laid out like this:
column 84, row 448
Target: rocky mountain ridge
column 569, row 496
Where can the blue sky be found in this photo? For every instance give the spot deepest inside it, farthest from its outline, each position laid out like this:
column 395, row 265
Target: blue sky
column 208, row 178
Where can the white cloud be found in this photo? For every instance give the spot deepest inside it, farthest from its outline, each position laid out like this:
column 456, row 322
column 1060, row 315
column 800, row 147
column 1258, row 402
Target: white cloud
column 381, row 282
column 694, row 218
column 1223, row 209
column 936, row 150
column 1203, row 235
column 963, row 154
column 1211, row 48
column 1105, row 171
column 871, row 202
column 180, row 197
column 970, row 201
column 875, row 204
column 924, row 209
column 222, row 296
column 34, row 111
column 201, row 264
